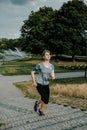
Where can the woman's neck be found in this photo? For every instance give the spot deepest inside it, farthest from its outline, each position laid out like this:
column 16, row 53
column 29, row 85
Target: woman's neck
column 46, row 63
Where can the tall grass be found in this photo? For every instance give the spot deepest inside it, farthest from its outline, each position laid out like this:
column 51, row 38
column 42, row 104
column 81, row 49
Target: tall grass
column 72, row 94
column 76, row 90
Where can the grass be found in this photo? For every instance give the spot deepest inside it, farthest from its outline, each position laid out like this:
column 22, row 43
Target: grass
column 16, row 69
column 80, row 80
column 25, row 67
column 73, row 92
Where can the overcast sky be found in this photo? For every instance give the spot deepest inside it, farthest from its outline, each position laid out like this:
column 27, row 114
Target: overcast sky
column 14, row 12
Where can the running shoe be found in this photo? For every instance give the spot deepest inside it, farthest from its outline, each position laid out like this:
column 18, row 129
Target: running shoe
column 40, row 113
column 36, row 106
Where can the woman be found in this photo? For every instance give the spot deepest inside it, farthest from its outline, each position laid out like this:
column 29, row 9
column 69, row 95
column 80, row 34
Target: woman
column 41, row 81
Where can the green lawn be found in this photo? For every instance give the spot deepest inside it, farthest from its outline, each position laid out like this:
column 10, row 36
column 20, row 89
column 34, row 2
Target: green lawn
column 25, row 67
column 80, row 80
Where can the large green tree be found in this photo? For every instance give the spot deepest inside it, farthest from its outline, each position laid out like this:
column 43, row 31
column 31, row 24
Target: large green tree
column 36, row 30
column 73, row 17
column 61, row 31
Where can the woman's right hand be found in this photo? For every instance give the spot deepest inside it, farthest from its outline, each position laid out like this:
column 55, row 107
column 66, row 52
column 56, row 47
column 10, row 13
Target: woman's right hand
column 52, row 75
column 35, row 84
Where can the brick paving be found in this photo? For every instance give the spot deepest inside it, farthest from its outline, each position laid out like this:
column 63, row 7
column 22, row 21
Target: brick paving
column 16, row 112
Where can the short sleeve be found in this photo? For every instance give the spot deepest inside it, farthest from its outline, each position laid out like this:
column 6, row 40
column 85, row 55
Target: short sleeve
column 36, row 68
column 52, row 66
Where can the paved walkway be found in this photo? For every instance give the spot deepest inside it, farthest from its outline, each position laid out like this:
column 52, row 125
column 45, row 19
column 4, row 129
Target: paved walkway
column 7, row 89
column 16, row 112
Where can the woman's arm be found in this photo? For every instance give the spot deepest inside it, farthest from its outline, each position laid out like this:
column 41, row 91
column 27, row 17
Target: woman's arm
column 33, row 78
column 52, row 75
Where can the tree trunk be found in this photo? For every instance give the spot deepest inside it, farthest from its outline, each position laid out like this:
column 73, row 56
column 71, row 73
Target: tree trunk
column 73, row 57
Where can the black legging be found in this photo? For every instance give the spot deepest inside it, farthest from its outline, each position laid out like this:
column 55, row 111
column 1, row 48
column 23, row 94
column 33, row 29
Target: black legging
column 44, row 92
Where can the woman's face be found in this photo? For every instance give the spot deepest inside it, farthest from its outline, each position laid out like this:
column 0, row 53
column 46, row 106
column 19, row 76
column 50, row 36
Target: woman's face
column 47, row 56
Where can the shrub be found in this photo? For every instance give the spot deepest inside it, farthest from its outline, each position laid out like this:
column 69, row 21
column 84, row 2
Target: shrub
column 75, row 67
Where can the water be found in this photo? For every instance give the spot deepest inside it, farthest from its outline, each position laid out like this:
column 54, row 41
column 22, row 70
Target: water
column 17, row 54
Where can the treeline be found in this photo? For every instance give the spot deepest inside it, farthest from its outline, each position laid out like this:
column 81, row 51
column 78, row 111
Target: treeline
column 6, row 44
column 61, row 31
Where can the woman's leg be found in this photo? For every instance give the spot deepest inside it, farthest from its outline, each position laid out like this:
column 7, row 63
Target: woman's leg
column 44, row 92
column 43, row 105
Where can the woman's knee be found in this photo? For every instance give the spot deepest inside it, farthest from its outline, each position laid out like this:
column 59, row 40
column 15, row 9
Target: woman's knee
column 45, row 100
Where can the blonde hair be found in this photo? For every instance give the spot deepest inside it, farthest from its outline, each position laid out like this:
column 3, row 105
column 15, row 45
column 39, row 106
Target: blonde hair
column 43, row 53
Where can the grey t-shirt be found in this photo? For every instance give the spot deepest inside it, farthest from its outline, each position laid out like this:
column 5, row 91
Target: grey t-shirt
column 44, row 72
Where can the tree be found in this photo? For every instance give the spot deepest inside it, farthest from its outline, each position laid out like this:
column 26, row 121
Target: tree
column 3, row 43
column 61, row 30
column 6, row 44
column 36, row 29
column 73, row 17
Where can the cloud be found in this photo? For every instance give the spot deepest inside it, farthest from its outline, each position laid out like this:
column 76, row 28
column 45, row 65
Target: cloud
column 4, row 1
column 16, row 2
column 19, row 2
column 1, row 1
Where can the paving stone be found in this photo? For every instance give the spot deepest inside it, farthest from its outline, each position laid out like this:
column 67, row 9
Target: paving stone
column 18, row 114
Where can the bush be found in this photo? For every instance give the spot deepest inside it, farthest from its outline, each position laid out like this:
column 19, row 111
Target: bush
column 75, row 67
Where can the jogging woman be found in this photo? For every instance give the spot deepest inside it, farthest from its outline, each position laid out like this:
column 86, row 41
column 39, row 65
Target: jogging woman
column 41, row 81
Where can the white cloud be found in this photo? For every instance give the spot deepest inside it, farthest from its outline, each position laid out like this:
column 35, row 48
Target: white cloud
column 33, row 3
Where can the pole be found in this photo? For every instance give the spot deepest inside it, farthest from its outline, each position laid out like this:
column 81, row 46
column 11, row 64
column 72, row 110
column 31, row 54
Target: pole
column 86, row 55
column 86, row 61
